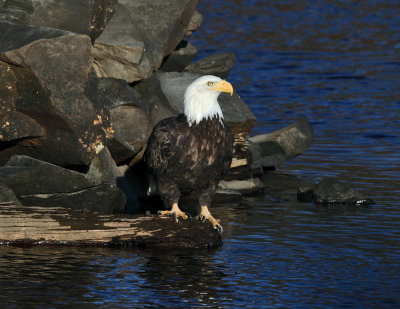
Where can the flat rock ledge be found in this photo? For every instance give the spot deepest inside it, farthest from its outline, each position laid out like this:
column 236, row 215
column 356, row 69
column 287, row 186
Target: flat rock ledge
column 57, row 226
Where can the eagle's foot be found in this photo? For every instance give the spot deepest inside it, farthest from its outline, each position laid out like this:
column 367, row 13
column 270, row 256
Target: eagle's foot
column 206, row 215
column 175, row 212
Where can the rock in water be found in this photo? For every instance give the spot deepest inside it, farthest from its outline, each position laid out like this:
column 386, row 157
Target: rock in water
column 283, row 144
column 332, row 192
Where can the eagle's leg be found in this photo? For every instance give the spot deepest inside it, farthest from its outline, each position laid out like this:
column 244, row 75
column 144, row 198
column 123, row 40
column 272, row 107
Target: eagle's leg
column 175, row 211
column 206, row 215
column 205, row 200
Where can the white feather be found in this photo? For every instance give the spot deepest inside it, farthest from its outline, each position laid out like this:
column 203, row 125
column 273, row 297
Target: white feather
column 200, row 102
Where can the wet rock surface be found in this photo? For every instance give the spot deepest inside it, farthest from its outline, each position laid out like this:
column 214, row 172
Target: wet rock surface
column 332, row 192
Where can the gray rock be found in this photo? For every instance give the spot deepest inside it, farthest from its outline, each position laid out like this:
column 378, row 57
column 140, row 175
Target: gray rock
column 103, row 169
column 139, row 36
column 251, row 185
column 7, row 196
column 194, row 24
column 218, row 64
column 81, row 16
column 180, row 58
column 39, row 183
column 282, row 145
column 236, row 113
column 63, row 125
column 129, row 116
column 332, row 192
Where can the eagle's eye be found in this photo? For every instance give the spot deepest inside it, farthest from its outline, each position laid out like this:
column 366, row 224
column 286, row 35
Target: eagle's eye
column 210, row 83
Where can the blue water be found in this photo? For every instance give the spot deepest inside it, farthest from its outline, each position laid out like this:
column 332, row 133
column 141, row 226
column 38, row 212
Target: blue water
column 335, row 62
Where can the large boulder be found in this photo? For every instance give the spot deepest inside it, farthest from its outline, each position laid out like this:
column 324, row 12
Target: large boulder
column 44, row 76
column 139, row 36
column 38, row 183
column 80, row 16
column 272, row 149
column 129, row 116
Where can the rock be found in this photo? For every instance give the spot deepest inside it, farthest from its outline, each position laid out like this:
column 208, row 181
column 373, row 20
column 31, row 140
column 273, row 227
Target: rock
column 236, row 113
column 103, row 169
column 332, row 192
column 157, row 103
column 102, row 199
column 284, row 144
column 15, row 126
column 85, row 16
column 227, row 196
column 7, row 196
column 129, row 116
column 39, row 183
column 62, row 125
column 218, row 64
column 180, row 58
column 194, row 24
column 251, row 185
column 139, row 36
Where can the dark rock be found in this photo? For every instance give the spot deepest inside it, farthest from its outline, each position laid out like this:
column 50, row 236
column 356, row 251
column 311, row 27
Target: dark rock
column 103, row 169
column 332, row 192
column 129, row 116
column 38, row 61
column 282, row 145
column 180, row 58
column 81, row 16
column 15, row 125
column 236, row 113
column 103, row 199
column 39, row 183
column 305, row 195
column 157, row 103
column 139, row 36
column 217, row 64
column 7, row 196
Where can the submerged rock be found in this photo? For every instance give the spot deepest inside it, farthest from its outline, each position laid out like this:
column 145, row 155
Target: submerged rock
column 332, row 192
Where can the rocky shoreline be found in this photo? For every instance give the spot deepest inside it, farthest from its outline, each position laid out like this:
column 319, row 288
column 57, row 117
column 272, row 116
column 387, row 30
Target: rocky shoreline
column 83, row 84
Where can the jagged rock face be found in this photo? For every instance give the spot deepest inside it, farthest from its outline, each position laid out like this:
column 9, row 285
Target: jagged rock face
column 44, row 76
column 139, row 36
column 80, row 16
column 52, row 185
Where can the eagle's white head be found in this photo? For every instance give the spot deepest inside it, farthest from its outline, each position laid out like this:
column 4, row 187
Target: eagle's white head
column 200, row 100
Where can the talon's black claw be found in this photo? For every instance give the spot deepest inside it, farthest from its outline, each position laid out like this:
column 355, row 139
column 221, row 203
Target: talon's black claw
column 189, row 215
column 176, row 218
column 219, row 229
column 202, row 219
column 159, row 212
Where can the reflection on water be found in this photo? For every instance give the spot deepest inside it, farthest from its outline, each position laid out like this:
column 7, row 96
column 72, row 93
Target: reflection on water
column 335, row 62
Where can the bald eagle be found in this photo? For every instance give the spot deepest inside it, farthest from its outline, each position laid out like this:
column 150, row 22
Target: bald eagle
column 191, row 153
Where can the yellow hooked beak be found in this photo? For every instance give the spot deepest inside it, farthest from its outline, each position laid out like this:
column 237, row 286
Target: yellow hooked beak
column 223, row 86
